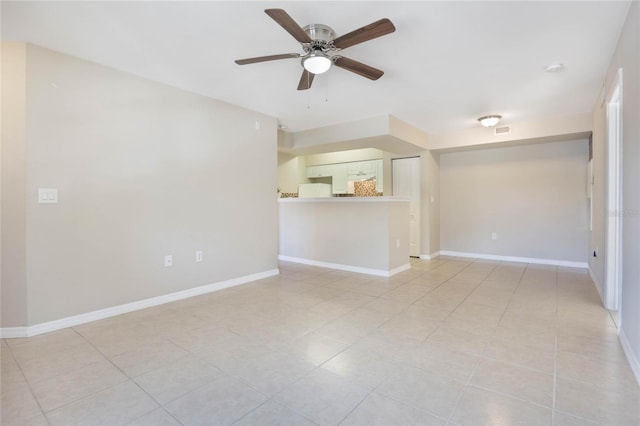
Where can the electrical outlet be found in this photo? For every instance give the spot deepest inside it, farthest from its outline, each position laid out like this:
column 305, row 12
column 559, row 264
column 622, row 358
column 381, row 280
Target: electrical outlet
column 494, row 235
column 199, row 256
column 47, row 195
column 397, row 243
column 168, row 260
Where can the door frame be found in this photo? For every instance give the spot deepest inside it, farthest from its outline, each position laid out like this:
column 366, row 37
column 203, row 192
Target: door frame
column 613, row 263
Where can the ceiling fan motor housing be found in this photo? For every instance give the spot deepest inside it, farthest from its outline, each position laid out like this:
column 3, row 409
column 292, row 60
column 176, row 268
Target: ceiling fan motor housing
column 320, row 32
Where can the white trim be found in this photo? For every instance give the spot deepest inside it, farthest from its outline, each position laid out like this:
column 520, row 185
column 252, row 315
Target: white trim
column 568, row 263
column 13, row 332
column 631, row 357
column 613, row 230
column 45, row 327
column 399, row 269
column 348, row 268
column 596, row 283
column 430, row 256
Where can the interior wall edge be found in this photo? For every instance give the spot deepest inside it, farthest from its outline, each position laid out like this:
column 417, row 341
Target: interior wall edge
column 634, row 363
column 597, row 284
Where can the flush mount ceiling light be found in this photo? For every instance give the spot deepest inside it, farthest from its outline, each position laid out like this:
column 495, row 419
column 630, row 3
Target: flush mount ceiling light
column 489, row 120
column 316, row 62
column 554, row 67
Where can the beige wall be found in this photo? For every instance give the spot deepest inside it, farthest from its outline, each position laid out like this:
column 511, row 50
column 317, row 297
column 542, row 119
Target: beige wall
column 343, row 156
column 627, row 57
column 534, row 197
column 13, row 287
column 356, row 232
column 384, row 132
column 143, row 170
column 291, row 172
column 549, row 129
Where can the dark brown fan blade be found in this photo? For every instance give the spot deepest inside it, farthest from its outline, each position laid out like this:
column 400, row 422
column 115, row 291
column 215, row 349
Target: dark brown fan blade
column 305, row 80
column 359, row 68
column 287, row 22
column 368, row 32
column 266, row 58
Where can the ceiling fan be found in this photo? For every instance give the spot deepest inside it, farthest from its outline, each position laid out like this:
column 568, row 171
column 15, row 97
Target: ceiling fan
column 318, row 41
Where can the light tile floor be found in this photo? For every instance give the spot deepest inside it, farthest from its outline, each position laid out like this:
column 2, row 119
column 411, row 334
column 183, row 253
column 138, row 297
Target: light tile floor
column 449, row 342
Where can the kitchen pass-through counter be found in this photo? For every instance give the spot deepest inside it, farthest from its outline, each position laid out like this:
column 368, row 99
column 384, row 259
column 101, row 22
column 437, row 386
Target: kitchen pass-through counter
column 369, row 235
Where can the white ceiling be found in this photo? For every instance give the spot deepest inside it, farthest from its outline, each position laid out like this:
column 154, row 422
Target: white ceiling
column 447, row 63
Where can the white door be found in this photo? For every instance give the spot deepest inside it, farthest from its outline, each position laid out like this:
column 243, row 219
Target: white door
column 406, row 183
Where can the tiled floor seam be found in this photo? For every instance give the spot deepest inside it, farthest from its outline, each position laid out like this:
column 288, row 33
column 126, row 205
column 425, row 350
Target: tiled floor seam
column 46, row 413
column 277, row 402
column 355, row 407
column 475, row 368
column 130, row 379
column 33, row 395
column 399, row 402
column 508, row 395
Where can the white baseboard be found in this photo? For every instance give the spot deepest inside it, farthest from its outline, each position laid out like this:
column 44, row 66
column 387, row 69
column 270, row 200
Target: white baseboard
column 13, row 332
column 348, row 268
column 45, row 327
column 632, row 357
column 430, row 256
column 597, row 284
column 567, row 263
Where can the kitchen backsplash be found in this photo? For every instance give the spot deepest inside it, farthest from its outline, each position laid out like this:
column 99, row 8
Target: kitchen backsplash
column 366, row 190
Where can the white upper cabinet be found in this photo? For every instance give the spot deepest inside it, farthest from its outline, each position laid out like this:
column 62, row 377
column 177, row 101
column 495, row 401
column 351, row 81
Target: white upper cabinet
column 342, row 173
column 339, row 179
column 319, row 171
column 360, row 170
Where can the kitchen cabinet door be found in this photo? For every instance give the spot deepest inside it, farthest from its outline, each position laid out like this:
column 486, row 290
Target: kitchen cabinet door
column 339, row 178
column 319, row 171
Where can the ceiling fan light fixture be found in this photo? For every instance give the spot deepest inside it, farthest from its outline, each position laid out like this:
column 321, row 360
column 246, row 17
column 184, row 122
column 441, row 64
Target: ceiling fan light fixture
column 317, row 62
column 489, row 120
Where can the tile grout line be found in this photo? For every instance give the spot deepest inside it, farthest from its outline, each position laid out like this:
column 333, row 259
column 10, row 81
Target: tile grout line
column 475, row 368
column 468, row 381
column 377, row 297
column 364, row 336
column 33, row 395
column 130, row 379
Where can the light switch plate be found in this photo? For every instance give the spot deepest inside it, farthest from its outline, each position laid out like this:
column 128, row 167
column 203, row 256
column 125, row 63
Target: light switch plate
column 47, row 195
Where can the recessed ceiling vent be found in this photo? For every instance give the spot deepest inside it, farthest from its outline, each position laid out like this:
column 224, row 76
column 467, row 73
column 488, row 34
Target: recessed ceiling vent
column 503, row 130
